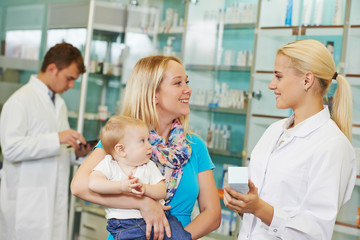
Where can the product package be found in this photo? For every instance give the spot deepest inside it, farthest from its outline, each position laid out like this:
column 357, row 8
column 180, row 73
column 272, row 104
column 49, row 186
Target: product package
column 238, row 179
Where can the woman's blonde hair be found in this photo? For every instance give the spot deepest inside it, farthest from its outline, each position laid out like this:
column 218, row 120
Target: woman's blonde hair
column 311, row 55
column 143, row 83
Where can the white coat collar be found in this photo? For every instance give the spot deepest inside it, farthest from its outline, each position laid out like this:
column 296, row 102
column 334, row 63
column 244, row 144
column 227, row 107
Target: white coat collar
column 40, row 86
column 39, row 83
column 308, row 125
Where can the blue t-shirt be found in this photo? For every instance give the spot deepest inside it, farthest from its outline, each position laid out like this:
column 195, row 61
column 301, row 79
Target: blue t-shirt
column 187, row 192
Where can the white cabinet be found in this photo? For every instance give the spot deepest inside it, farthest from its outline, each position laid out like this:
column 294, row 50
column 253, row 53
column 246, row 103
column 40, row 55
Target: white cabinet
column 92, row 226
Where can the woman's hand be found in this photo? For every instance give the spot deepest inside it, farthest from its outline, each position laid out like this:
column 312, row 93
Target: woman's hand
column 242, row 203
column 153, row 214
column 248, row 203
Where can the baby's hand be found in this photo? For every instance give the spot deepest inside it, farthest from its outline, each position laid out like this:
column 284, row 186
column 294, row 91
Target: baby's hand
column 136, row 186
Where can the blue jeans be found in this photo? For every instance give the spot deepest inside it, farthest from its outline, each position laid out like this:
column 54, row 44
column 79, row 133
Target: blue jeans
column 135, row 228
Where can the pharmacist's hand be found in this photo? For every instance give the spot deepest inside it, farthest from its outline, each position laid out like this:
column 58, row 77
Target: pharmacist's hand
column 153, row 213
column 71, row 138
column 83, row 150
column 242, row 203
column 249, row 203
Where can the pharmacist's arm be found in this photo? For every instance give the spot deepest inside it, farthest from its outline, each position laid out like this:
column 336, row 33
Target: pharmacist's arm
column 209, row 205
column 151, row 210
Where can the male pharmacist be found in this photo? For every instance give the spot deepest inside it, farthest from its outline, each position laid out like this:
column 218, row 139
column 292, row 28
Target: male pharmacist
column 35, row 135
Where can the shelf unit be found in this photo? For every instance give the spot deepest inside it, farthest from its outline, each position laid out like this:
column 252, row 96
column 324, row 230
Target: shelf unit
column 218, row 68
column 348, row 229
column 218, row 109
column 17, row 65
column 212, row 47
column 213, row 60
column 116, row 35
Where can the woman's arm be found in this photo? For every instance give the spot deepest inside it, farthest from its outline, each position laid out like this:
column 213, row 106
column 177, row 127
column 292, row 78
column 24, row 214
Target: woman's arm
column 151, row 210
column 210, row 211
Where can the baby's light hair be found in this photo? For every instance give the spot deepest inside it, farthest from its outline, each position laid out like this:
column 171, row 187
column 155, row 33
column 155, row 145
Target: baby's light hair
column 114, row 131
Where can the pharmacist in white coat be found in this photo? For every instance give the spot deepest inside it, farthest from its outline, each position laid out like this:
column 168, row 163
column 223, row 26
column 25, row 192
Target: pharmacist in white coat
column 303, row 168
column 35, row 133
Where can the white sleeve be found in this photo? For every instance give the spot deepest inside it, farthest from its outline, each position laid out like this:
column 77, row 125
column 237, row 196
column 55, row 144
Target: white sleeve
column 105, row 167
column 332, row 178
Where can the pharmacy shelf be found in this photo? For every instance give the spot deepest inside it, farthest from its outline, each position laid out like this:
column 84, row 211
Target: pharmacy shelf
column 19, row 64
column 172, row 30
column 100, row 75
column 346, row 228
column 353, row 75
column 6, row 89
column 90, row 207
column 87, row 116
column 218, row 68
column 218, row 109
column 267, row 116
column 239, row 25
column 356, row 129
column 226, row 153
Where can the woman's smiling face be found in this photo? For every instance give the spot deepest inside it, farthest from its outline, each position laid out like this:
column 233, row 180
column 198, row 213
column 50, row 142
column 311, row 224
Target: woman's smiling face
column 173, row 95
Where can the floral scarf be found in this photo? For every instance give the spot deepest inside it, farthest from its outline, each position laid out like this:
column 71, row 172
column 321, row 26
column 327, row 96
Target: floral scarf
column 170, row 157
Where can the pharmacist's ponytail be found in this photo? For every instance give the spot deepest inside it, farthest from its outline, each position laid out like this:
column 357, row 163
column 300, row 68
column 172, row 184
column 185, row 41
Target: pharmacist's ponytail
column 342, row 107
column 311, row 55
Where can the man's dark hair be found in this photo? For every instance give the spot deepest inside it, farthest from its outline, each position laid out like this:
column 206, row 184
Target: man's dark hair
column 63, row 55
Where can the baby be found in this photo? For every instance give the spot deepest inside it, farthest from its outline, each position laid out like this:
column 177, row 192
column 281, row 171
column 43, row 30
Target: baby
column 127, row 169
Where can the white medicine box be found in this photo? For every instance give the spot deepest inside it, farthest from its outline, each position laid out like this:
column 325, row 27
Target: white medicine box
column 238, row 179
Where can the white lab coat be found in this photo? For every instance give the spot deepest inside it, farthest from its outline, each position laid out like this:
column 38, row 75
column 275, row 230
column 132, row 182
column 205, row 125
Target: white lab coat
column 35, row 180
column 306, row 179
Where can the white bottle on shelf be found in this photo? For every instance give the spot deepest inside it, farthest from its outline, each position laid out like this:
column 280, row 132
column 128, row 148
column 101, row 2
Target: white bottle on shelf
column 338, row 14
column 319, row 7
column 168, row 49
column 210, row 136
column 307, row 12
column 220, row 16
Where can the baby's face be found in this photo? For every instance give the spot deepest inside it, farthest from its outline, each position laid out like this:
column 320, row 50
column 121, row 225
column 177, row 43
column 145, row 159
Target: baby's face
column 137, row 146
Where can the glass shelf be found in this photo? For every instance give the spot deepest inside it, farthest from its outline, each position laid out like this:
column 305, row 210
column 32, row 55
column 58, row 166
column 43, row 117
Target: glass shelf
column 88, row 116
column 218, row 109
column 346, row 228
column 6, row 89
column 226, row 153
column 218, row 68
column 173, row 30
column 100, row 75
column 19, row 63
column 267, row 116
column 239, row 25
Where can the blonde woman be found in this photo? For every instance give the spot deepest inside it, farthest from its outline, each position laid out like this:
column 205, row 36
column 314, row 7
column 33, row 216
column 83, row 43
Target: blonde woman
column 157, row 92
column 302, row 170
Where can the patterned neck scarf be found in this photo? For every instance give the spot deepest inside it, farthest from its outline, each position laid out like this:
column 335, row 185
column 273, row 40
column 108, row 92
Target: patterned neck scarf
column 170, row 157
